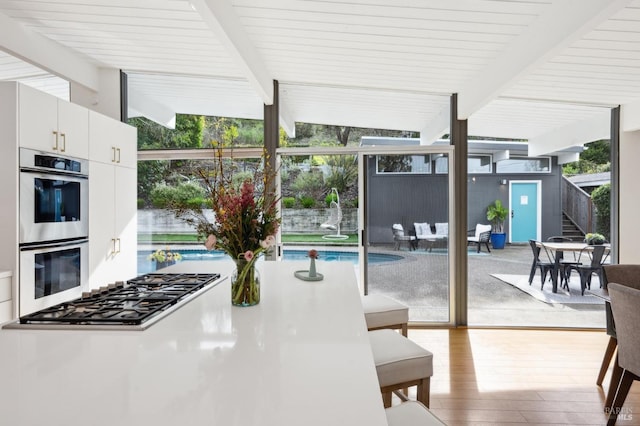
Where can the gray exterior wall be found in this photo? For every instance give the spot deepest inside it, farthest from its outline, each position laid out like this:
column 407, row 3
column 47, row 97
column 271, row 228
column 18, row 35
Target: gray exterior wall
column 407, row 199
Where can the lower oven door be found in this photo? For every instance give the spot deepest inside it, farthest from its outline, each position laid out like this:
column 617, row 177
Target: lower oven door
column 52, row 274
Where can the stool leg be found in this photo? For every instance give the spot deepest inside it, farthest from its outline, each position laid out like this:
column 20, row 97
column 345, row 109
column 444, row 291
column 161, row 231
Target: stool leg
column 404, row 330
column 423, row 391
column 606, row 360
column 386, row 399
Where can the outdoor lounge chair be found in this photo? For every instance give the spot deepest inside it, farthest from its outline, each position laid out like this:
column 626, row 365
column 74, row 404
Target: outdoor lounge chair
column 334, row 219
column 424, row 233
column 481, row 236
column 400, row 237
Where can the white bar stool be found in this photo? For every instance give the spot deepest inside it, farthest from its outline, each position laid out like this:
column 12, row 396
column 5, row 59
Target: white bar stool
column 383, row 312
column 411, row 413
column 400, row 363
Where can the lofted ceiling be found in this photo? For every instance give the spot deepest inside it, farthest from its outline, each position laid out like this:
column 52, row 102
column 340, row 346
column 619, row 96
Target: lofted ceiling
column 548, row 71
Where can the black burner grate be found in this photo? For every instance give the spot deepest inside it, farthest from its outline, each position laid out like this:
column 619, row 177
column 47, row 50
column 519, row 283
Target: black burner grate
column 133, row 303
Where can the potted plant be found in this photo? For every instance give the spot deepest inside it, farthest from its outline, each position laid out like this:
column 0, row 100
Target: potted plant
column 164, row 258
column 497, row 214
column 594, row 239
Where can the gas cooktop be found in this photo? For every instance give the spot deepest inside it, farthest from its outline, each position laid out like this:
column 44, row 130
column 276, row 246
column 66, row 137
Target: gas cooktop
column 133, row 305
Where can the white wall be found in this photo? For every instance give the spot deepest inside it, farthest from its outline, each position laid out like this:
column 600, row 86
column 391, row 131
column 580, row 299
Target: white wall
column 629, row 224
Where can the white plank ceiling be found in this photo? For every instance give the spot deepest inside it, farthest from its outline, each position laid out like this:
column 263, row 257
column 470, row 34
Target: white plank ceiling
column 525, row 69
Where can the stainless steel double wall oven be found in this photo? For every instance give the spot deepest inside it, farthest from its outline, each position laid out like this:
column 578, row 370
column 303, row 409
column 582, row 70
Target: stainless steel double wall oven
column 54, row 228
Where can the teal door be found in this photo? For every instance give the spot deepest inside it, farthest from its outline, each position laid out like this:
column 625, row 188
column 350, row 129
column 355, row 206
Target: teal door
column 525, row 211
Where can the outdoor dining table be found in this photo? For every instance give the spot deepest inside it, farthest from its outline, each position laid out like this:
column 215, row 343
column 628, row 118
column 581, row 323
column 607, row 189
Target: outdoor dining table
column 557, row 248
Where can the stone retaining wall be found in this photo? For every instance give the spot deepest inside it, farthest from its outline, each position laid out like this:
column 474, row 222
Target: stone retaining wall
column 294, row 221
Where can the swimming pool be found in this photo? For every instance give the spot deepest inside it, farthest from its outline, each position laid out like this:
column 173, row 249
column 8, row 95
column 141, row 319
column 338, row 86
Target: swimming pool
column 145, row 265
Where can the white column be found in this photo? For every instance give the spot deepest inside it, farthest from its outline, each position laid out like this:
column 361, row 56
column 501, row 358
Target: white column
column 107, row 100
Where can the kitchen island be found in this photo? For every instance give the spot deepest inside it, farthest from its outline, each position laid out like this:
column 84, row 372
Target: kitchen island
column 300, row 357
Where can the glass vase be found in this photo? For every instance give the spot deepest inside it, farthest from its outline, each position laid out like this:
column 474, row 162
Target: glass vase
column 245, row 284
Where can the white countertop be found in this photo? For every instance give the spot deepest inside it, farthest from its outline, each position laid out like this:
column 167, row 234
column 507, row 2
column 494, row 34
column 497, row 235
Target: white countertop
column 300, row 357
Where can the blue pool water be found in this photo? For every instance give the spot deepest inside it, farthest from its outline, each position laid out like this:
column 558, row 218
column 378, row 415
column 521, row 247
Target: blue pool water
column 145, row 265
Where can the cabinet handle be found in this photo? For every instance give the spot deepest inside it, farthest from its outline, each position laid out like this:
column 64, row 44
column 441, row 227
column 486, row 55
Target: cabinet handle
column 64, row 142
column 55, row 146
column 118, row 151
column 118, row 240
column 113, row 246
column 113, row 154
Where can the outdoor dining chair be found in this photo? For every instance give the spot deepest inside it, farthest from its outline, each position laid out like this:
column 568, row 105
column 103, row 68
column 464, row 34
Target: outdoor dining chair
column 564, row 265
column 586, row 271
column 545, row 267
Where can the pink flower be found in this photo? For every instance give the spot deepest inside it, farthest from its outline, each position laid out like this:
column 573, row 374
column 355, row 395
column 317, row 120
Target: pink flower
column 210, row 243
column 248, row 255
column 313, row 254
column 269, row 241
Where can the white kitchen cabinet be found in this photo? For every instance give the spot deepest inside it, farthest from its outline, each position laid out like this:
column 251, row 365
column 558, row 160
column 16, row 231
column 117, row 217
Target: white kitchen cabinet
column 52, row 125
column 6, row 301
column 112, row 202
column 112, row 142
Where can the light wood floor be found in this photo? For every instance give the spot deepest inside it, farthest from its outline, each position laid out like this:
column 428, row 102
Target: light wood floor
column 499, row 377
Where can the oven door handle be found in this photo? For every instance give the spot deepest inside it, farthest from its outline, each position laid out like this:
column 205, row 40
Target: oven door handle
column 54, row 244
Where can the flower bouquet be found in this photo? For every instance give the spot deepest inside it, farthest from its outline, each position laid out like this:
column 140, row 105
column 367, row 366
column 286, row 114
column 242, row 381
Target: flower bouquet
column 245, row 221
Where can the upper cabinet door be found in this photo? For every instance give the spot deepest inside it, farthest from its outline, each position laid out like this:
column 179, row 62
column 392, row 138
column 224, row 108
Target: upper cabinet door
column 38, row 118
column 73, row 128
column 111, row 141
column 52, row 125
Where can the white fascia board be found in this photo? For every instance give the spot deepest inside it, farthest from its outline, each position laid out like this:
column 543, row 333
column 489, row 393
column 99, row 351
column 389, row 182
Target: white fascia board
column 46, row 54
column 564, row 22
column 630, row 117
column 140, row 105
column 577, row 133
column 223, row 21
column 436, row 127
column 501, row 155
column 286, row 120
column 568, row 157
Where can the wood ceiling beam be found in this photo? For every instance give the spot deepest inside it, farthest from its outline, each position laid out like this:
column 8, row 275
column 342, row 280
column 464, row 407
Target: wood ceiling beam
column 46, row 54
column 565, row 22
column 140, row 105
column 577, row 133
column 223, row 21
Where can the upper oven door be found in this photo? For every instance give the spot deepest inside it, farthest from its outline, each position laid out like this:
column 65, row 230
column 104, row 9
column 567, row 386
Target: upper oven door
column 52, row 207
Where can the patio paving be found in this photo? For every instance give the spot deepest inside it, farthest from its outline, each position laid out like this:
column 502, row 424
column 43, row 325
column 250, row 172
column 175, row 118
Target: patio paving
column 420, row 281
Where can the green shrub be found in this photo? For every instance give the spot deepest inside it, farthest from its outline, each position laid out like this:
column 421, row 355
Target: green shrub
column 309, row 184
column 161, row 196
column 601, row 198
column 344, row 172
column 140, row 202
column 307, row 202
column 330, row 197
column 288, row 202
column 186, row 194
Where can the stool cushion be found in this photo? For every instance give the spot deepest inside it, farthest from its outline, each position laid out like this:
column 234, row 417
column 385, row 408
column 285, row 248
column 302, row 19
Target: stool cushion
column 411, row 413
column 398, row 359
column 382, row 311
